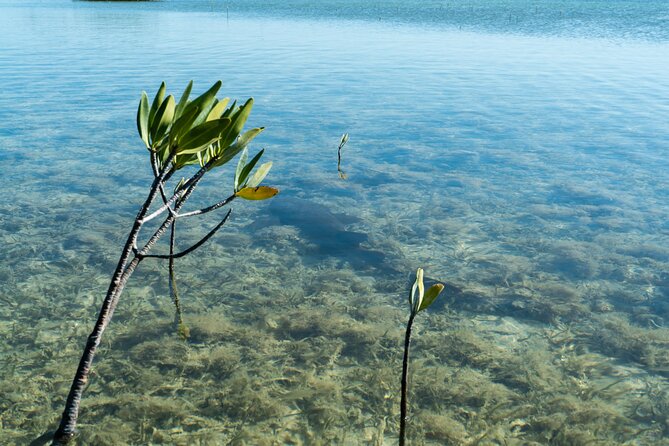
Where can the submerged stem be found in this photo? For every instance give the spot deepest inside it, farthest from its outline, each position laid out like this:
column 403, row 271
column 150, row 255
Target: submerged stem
column 174, row 292
column 405, row 376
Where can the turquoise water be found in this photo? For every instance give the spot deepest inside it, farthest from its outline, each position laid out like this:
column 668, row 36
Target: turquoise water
column 515, row 150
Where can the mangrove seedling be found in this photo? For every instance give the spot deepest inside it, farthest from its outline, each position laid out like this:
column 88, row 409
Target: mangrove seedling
column 342, row 143
column 204, row 133
column 419, row 300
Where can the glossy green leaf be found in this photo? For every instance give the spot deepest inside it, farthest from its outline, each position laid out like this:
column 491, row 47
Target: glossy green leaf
column 163, row 119
column 257, row 193
column 431, row 295
column 184, row 100
column 245, row 139
column 143, row 118
column 163, row 152
column 157, row 100
column 238, row 121
column 218, row 109
column 230, row 111
column 182, row 125
column 201, row 136
column 225, row 153
column 181, row 161
column 240, row 168
column 204, row 103
column 248, row 168
column 259, row 175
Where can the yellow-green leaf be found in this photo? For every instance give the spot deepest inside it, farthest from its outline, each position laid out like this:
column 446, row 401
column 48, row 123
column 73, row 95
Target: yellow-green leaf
column 431, row 295
column 201, row 136
column 240, row 167
column 162, row 120
column 184, row 100
column 259, row 175
column 204, row 103
column 225, row 154
column 183, row 124
column 157, row 100
column 248, row 168
column 257, row 193
column 245, row 139
column 238, row 121
column 143, row 119
column 218, row 109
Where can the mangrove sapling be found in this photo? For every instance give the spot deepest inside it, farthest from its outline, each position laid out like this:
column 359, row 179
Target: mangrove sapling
column 342, row 143
column 419, row 300
column 205, row 133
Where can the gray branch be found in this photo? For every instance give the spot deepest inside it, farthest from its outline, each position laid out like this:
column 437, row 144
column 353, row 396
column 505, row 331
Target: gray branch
column 192, row 248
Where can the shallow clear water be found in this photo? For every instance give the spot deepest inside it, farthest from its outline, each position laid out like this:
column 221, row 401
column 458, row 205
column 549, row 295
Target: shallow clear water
column 520, row 158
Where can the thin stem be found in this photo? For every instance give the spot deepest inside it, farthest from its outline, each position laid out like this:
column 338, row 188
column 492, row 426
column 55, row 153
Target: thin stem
column 188, row 190
column 179, row 195
column 124, row 269
column 405, row 384
column 173, row 280
column 208, row 209
column 156, row 170
column 192, row 248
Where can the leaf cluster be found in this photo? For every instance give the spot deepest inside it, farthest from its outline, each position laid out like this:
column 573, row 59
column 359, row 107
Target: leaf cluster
column 205, row 131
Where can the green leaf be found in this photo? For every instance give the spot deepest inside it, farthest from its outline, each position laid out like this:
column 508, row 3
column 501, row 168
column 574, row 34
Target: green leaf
column 143, row 119
column 238, row 121
column 163, row 119
column 417, row 292
column 249, row 167
column 184, row 100
column 181, row 161
column 240, row 167
column 182, row 125
column 156, row 103
column 226, row 153
column 218, row 109
column 244, row 140
column 230, row 111
column 343, row 140
column 204, row 103
column 163, row 153
column 201, row 136
column 431, row 295
column 260, row 175
column 257, row 193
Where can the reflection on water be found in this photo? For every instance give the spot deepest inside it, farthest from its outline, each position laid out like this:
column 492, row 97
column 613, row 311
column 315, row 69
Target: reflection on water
column 527, row 168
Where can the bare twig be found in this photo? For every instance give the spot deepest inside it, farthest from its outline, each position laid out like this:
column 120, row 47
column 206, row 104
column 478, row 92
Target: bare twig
column 192, row 248
column 208, row 209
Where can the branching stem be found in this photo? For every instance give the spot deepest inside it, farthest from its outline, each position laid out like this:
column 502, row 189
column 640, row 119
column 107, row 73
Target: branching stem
column 124, row 269
column 192, row 248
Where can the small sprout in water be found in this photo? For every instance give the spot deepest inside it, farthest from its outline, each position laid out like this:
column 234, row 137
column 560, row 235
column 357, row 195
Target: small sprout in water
column 342, row 143
column 419, row 300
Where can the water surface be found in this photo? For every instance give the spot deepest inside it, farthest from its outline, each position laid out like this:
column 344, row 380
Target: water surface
column 519, row 156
